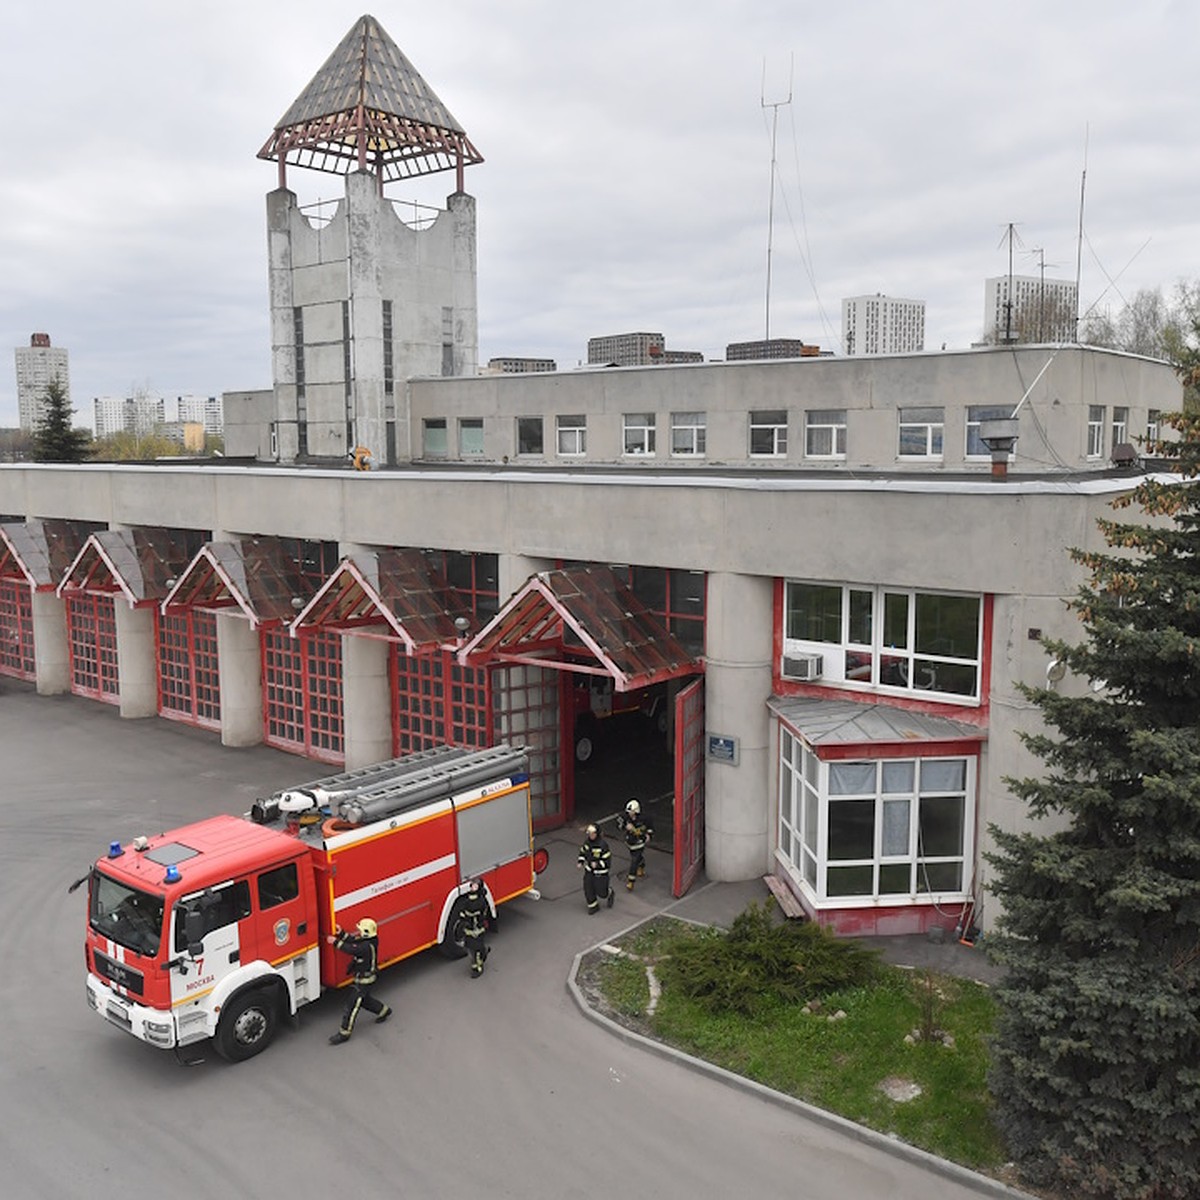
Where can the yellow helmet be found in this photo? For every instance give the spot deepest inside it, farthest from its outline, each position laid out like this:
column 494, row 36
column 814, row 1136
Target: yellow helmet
column 592, row 831
column 367, row 927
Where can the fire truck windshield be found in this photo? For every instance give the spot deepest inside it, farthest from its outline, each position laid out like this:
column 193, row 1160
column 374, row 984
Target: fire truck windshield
column 129, row 917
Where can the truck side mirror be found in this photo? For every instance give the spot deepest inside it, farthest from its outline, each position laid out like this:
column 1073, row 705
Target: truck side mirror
column 193, row 928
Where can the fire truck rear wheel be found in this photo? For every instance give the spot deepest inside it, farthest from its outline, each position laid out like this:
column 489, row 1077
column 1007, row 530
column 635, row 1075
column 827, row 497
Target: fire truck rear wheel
column 585, row 744
column 453, row 944
column 247, row 1025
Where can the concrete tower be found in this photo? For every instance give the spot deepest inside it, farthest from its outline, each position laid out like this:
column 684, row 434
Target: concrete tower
column 365, row 300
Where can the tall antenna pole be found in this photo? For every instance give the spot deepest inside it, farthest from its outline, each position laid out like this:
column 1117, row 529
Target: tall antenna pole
column 1079, row 246
column 774, row 106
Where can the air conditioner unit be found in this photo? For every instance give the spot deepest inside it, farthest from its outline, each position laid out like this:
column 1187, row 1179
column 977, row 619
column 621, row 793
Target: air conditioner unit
column 804, row 667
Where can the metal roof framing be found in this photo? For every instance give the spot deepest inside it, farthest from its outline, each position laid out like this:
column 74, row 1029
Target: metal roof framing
column 138, row 564
column 558, row 617
column 368, row 108
column 251, row 578
column 402, row 590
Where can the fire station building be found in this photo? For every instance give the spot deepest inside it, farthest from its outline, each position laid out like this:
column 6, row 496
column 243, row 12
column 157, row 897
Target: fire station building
column 830, row 574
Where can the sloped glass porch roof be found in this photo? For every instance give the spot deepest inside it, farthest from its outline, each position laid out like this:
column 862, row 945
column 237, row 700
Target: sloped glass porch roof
column 562, row 619
column 138, row 564
column 251, row 577
column 40, row 551
column 401, row 593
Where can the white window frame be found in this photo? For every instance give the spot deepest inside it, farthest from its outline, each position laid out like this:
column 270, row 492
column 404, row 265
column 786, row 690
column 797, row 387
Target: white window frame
column 803, row 819
column 571, row 435
column 821, row 422
column 1120, row 425
column 639, row 435
column 1153, row 424
column 468, row 445
column 432, row 446
column 921, row 431
column 774, row 424
column 976, row 414
column 1097, row 415
column 689, row 433
column 869, row 643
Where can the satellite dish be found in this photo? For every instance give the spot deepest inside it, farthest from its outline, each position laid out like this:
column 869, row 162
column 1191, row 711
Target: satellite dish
column 1055, row 670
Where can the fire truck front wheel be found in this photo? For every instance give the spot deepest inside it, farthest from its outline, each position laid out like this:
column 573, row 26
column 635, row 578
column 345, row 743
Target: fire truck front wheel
column 247, row 1025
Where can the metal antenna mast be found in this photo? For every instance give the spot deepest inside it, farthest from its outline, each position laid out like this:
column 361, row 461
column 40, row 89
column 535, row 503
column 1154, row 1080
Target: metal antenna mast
column 774, row 106
column 1079, row 246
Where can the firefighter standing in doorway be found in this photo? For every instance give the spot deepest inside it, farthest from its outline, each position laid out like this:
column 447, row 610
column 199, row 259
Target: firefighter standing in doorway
column 474, row 926
column 363, row 967
column 595, row 857
column 637, row 834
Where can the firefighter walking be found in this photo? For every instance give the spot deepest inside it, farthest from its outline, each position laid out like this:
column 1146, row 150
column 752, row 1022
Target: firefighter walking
column 363, row 967
column 637, row 834
column 475, row 915
column 595, row 857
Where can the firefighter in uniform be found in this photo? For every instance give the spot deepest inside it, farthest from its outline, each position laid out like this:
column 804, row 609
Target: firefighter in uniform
column 363, row 948
column 637, row 834
column 595, row 857
column 474, row 925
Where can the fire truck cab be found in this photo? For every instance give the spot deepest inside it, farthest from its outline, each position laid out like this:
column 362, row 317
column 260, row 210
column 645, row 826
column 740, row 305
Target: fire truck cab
column 218, row 929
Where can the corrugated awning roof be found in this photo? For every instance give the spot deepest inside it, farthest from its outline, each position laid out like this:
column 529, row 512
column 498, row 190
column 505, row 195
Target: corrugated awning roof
column 40, row 551
column 368, row 108
column 140, row 564
column 251, row 577
column 562, row 619
column 829, row 723
column 402, row 590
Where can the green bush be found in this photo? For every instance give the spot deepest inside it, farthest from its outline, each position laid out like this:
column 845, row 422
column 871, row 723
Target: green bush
column 760, row 960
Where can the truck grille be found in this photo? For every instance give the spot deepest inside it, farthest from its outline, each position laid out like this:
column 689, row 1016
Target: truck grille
column 119, row 973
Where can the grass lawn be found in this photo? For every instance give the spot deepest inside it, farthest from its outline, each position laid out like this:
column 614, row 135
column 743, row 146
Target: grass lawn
column 842, row 1064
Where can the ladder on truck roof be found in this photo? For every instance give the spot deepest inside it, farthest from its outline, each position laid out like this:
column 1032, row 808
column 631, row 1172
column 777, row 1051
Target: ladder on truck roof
column 394, row 784
column 430, row 780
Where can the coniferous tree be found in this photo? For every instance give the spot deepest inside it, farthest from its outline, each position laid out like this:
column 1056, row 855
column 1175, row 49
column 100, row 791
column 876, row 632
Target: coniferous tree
column 1096, row 1060
column 55, row 440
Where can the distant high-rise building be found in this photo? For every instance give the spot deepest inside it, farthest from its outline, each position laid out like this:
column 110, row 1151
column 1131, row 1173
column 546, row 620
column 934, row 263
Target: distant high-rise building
column 201, row 410
column 37, row 364
column 771, row 348
column 139, row 414
column 518, row 366
column 1042, row 310
column 882, row 324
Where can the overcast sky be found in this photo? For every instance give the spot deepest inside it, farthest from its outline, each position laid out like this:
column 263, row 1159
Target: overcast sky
column 627, row 180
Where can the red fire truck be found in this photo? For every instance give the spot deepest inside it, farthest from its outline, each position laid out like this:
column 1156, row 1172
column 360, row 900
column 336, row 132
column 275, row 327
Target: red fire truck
column 217, row 929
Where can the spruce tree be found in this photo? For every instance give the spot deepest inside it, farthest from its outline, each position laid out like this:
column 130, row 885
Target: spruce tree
column 55, row 440
column 1096, row 1060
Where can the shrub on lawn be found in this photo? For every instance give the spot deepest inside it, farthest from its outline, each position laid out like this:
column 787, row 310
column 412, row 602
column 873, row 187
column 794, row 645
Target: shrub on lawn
column 761, row 959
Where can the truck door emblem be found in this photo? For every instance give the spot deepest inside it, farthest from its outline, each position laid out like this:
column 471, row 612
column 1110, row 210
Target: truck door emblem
column 282, row 929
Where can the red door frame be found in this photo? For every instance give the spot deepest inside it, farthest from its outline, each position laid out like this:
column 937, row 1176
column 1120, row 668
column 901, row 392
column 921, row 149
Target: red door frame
column 92, row 646
column 16, row 629
column 689, row 785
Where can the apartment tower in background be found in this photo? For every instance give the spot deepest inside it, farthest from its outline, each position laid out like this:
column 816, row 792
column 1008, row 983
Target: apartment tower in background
column 37, row 364
column 882, row 324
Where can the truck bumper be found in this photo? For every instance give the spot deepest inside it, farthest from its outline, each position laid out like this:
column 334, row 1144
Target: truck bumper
column 146, row 1024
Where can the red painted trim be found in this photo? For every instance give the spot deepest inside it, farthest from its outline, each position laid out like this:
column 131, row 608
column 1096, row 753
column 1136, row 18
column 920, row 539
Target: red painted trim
column 871, row 750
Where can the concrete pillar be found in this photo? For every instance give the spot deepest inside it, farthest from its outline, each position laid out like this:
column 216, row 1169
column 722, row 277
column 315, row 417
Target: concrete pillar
column 738, row 797
column 137, row 660
column 239, row 665
column 51, row 657
column 514, row 569
column 366, row 701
